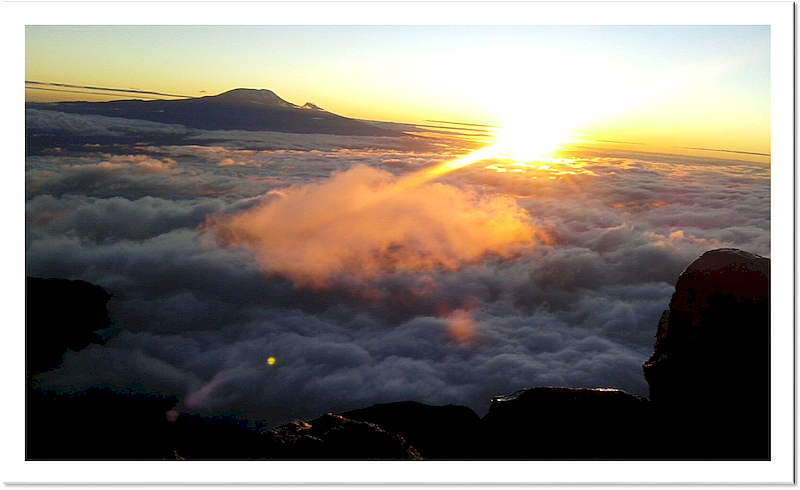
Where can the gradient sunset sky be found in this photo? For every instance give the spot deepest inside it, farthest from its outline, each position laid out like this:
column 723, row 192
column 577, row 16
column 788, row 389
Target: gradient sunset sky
column 662, row 86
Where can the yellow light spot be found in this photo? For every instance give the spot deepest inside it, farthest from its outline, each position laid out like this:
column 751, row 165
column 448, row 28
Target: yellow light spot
column 271, row 361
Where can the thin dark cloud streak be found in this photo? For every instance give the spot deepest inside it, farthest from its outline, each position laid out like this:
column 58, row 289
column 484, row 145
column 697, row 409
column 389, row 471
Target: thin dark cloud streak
column 103, row 89
column 462, row 124
column 455, row 130
column 620, row 142
column 728, row 151
column 87, row 92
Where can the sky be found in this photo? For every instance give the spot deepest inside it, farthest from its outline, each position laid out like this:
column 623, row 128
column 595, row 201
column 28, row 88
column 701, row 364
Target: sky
column 675, row 87
column 364, row 275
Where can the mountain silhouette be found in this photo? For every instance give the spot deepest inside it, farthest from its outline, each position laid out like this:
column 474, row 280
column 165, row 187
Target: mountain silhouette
column 237, row 109
column 247, row 96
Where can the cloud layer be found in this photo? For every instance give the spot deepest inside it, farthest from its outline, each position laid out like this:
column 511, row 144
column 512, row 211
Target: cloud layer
column 490, row 279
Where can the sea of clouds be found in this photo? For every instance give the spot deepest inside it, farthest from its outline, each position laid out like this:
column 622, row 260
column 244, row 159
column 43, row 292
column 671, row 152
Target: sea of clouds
column 238, row 246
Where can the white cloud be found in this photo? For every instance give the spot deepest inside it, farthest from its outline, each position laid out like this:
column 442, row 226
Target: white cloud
column 200, row 319
column 46, row 122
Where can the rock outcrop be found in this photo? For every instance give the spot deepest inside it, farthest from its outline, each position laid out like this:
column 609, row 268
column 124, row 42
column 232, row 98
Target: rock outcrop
column 334, row 437
column 565, row 423
column 448, row 432
column 709, row 374
column 61, row 315
column 97, row 424
column 100, row 424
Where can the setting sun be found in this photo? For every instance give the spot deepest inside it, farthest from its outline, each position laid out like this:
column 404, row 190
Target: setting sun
column 541, row 110
column 539, row 125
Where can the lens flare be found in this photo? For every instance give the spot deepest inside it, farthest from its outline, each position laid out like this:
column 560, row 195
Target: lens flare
column 429, row 174
column 460, row 326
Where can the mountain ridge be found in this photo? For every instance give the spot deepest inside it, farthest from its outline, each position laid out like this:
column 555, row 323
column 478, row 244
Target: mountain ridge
column 244, row 109
column 248, row 96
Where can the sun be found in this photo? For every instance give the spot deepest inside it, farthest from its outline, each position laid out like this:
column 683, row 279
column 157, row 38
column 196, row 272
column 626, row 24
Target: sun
column 525, row 141
column 541, row 98
column 536, row 127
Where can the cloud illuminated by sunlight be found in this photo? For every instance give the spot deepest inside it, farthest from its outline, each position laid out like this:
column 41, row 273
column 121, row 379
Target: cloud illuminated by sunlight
column 364, row 223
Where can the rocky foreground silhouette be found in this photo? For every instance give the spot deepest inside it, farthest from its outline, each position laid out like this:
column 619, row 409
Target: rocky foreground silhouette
column 708, row 375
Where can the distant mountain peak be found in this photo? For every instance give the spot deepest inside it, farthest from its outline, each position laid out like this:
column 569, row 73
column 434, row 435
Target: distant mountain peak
column 253, row 96
column 312, row 107
column 246, row 109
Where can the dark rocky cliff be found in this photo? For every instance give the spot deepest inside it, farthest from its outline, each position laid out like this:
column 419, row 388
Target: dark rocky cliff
column 62, row 315
column 709, row 374
column 709, row 381
column 565, row 423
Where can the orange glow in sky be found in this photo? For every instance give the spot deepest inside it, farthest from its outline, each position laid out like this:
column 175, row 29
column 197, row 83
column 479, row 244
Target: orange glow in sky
column 537, row 126
column 682, row 86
